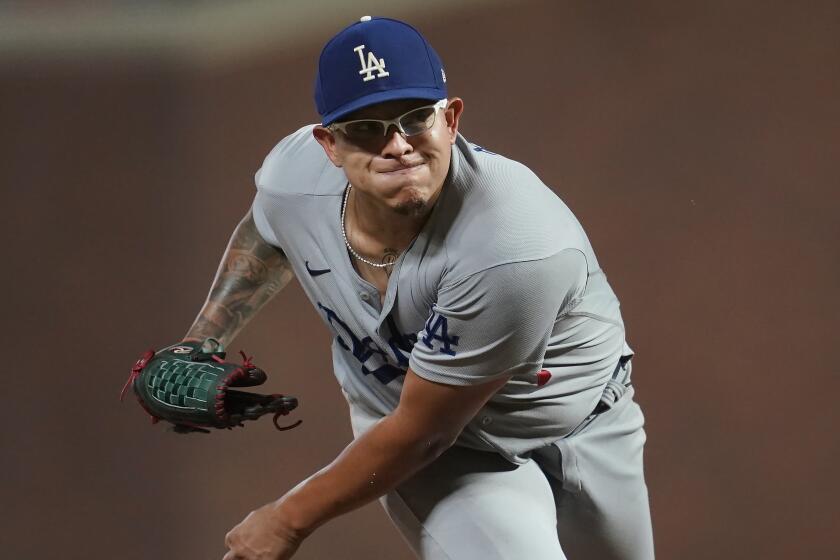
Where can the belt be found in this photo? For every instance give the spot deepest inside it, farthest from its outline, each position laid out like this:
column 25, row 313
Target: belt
column 616, row 387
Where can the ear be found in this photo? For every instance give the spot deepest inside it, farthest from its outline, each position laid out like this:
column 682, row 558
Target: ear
column 326, row 138
column 453, row 117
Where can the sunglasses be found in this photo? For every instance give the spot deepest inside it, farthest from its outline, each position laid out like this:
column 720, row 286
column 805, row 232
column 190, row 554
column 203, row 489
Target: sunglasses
column 416, row 121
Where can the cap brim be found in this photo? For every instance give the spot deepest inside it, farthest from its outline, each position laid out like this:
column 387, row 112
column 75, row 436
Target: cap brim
column 432, row 94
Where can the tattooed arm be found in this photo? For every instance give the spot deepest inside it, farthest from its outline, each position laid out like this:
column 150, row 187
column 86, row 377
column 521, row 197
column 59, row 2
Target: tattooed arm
column 250, row 274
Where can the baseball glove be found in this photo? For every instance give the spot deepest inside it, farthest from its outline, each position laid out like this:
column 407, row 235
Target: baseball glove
column 191, row 389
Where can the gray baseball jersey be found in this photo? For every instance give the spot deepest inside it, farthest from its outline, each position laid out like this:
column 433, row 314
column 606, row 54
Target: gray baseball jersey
column 501, row 280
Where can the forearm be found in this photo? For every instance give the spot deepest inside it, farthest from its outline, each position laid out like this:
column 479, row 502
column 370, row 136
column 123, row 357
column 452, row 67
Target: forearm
column 372, row 465
column 250, row 274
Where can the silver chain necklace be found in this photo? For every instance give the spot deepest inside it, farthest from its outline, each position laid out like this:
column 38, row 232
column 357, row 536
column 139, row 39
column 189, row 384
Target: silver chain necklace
column 347, row 242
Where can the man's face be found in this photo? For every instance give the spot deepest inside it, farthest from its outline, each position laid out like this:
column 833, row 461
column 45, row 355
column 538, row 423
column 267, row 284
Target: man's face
column 405, row 173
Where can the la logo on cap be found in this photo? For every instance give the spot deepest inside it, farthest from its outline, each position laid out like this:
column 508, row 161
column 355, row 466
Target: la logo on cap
column 373, row 65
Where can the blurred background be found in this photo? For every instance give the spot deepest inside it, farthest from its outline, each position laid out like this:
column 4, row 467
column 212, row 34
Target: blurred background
column 696, row 141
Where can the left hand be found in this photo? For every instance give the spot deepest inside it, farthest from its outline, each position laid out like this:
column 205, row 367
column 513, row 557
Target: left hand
column 262, row 535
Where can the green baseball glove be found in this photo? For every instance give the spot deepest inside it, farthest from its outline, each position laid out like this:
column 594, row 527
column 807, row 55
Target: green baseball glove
column 190, row 388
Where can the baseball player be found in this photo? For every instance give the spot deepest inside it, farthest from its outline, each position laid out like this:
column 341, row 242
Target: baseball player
column 476, row 339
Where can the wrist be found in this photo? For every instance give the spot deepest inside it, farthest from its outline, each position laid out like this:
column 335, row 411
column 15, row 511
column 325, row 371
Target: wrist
column 207, row 344
column 290, row 521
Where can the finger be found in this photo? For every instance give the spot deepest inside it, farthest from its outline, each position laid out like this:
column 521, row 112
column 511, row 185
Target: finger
column 231, row 553
column 229, row 539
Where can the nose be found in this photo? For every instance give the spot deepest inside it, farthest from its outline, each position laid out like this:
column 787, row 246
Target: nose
column 396, row 144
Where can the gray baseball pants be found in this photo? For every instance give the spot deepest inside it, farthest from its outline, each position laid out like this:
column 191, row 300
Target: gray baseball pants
column 583, row 497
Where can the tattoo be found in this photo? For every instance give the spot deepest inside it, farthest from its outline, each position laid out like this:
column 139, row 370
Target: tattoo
column 250, row 274
column 388, row 259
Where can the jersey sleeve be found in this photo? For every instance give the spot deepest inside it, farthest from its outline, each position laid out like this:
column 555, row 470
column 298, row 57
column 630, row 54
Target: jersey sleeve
column 260, row 209
column 293, row 166
column 498, row 321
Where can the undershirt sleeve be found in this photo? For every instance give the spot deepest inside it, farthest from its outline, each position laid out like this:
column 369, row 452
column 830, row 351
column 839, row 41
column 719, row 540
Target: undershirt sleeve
column 497, row 322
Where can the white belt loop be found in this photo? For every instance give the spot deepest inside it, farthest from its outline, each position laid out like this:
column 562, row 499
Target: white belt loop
column 616, row 387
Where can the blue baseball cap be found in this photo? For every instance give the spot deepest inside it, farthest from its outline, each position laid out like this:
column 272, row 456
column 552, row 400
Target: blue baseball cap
column 375, row 60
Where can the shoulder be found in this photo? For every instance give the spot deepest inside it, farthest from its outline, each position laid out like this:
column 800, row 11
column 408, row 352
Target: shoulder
column 296, row 165
column 556, row 281
column 498, row 211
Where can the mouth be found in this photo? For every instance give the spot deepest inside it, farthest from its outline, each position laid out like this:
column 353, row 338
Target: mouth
column 403, row 169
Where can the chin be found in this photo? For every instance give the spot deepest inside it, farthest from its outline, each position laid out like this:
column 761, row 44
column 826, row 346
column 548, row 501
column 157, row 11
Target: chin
column 412, row 202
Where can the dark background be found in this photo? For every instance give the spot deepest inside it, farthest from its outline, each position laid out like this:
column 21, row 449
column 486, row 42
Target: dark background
column 697, row 142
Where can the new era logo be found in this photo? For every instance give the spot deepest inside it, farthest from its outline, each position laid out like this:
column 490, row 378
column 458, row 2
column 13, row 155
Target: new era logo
column 372, row 65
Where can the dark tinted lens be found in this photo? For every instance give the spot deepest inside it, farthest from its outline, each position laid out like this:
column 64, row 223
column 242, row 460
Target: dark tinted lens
column 364, row 130
column 418, row 120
